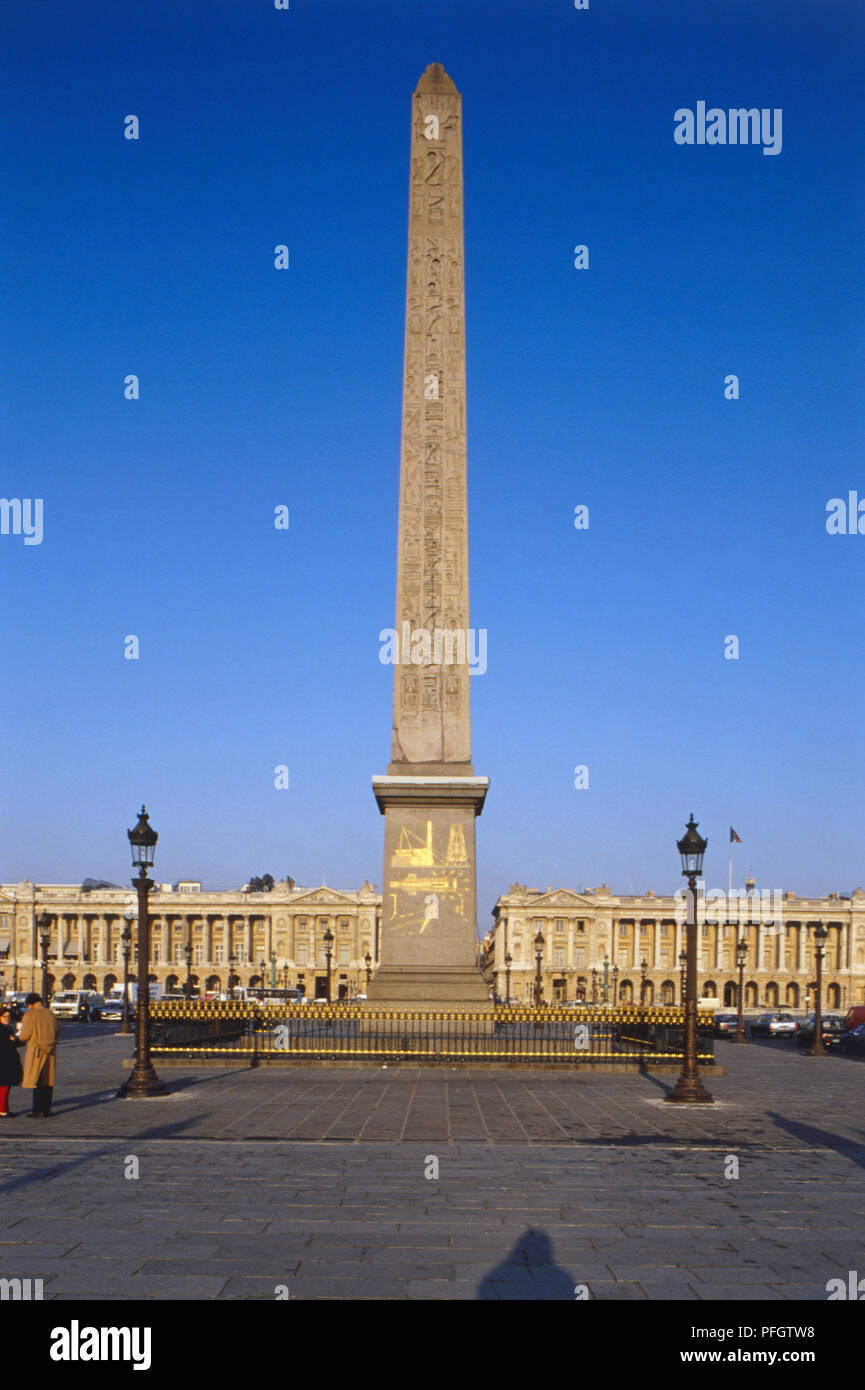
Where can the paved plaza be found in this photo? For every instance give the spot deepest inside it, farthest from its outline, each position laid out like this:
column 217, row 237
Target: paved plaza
column 314, row 1181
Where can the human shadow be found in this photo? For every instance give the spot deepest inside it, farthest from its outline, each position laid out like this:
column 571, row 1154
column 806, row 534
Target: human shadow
column 528, row 1271
column 821, row 1138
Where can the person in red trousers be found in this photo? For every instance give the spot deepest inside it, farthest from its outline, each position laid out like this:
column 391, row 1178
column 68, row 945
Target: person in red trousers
column 10, row 1062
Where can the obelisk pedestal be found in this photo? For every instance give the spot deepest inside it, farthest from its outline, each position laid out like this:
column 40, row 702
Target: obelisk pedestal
column 430, row 797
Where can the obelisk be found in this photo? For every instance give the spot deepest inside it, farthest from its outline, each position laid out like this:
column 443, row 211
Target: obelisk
column 430, row 796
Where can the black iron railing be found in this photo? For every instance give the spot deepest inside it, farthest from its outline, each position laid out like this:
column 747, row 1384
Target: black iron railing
column 279, row 1032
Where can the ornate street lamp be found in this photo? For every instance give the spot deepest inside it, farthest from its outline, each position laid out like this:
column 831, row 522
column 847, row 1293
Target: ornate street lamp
column 187, row 952
column 821, row 931
column 143, row 1082
column 285, row 977
column 683, row 962
column 328, row 951
column 43, row 922
column 273, row 970
column 539, row 984
column 594, row 985
column 509, row 960
column 689, row 1089
column 262, row 966
column 367, row 960
column 644, row 965
column 741, row 959
column 126, row 942
column 606, row 979
column 615, row 985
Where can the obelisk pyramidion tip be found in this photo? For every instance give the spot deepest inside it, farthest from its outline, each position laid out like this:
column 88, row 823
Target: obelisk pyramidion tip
column 435, row 79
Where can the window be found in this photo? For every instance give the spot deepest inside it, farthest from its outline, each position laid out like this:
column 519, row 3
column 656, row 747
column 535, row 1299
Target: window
column 217, row 955
column 560, row 926
column 559, row 956
column 579, row 956
column 343, row 924
column 302, row 922
column 157, row 955
column 581, row 926
column 644, row 931
column 303, row 954
column 197, row 954
column 178, row 955
column 343, row 953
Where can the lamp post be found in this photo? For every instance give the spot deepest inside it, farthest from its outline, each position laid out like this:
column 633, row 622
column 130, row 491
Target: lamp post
column 328, row 952
column 509, row 960
column 683, row 962
column 143, row 1082
column 606, row 979
column 230, row 981
column 43, row 922
column 285, row 978
column 689, row 1089
column 821, row 931
column 273, row 970
column 644, row 965
column 594, row 985
column 262, row 966
column 741, row 958
column 187, row 951
column 367, row 960
column 615, row 985
column 126, row 940
column 539, row 984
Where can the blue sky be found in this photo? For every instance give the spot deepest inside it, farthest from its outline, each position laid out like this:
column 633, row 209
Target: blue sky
column 603, row 387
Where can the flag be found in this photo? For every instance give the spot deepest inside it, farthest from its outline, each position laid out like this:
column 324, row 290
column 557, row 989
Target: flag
column 734, row 838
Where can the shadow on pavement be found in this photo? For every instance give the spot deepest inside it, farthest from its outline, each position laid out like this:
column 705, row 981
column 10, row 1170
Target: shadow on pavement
column 820, row 1138
column 528, row 1272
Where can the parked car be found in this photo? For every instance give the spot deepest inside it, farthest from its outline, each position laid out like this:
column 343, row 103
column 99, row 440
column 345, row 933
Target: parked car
column 112, row 1009
column 773, row 1025
column 724, row 1024
column 82, row 1004
column 854, row 1017
column 852, row 1041
column 832, row 1026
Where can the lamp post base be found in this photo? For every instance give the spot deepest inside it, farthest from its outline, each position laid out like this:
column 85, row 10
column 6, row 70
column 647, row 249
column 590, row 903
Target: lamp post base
column 142, row 1084
column 689, row 1091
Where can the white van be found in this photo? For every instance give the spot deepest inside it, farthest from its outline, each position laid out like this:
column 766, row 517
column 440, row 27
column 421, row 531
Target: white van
column 85, row 1005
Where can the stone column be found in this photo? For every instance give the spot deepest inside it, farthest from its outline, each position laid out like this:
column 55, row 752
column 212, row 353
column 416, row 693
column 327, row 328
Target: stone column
column 803, row 940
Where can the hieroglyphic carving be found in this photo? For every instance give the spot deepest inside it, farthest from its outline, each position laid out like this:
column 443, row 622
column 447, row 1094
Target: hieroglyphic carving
column 431, row 705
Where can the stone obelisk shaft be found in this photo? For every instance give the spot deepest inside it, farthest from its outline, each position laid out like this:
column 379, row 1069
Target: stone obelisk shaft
column 430, row 798
column 431, row 697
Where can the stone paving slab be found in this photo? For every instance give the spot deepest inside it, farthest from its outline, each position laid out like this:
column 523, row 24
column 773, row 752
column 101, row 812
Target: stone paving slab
column 545, row 1182
column 528, row 1250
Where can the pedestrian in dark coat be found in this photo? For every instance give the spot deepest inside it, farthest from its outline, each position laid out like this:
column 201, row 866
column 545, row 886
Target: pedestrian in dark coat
column 10, row 1062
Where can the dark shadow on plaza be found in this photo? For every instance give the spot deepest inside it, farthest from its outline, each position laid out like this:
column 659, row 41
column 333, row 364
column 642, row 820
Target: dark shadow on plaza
column 120, row 1145
column 529, row 1271
column 820, row 1138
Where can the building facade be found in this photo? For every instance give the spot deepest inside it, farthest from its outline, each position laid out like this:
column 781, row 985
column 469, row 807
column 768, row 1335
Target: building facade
column 597, row 945
column 236, row 938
